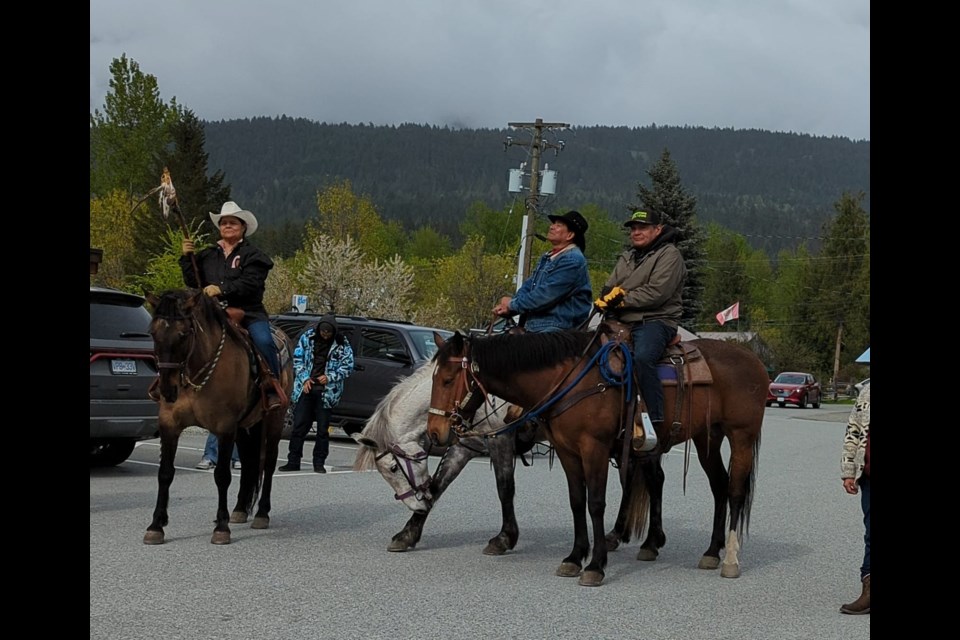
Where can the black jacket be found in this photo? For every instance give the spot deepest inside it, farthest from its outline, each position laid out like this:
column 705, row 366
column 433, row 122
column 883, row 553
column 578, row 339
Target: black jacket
column 242, row 277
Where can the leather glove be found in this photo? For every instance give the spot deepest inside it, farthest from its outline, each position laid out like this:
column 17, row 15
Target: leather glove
column 212, row 290
column 187, row 246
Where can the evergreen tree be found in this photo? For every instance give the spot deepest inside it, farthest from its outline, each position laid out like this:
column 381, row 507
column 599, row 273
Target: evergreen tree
column 679, row 210
column 132, row 129
column 198, row 192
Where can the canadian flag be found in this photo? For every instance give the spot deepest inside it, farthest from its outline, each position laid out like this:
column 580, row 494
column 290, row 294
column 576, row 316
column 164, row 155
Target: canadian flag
column 730, row 313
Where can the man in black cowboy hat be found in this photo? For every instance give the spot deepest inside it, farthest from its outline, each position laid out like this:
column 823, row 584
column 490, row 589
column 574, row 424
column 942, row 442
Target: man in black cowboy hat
column 557, row 295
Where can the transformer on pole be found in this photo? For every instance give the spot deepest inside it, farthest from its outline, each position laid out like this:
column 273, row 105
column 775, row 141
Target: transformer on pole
column 548, row 187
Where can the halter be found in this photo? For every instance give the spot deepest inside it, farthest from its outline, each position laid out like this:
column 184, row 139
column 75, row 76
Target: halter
column 405, row 462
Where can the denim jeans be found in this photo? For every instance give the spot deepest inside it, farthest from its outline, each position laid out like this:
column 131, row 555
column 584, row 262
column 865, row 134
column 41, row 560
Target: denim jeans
column 211, row 449
column 649, row 341
column 309, row 408
column 259, row 331
column 864, row 483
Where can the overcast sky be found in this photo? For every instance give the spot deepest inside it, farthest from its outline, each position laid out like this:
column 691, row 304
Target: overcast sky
column 799, row 66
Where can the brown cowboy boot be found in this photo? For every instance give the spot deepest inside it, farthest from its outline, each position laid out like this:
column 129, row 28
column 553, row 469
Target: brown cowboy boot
column 862, row 604
column 274, row 397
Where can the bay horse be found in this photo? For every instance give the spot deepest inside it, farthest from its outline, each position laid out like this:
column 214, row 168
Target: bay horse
column 207, row 379
column 562, row 377
column 394, row 441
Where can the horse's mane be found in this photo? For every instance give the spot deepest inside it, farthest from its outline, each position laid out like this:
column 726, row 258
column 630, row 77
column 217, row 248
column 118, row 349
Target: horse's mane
column 173, row 303
column 400, row 416
column 527, row 351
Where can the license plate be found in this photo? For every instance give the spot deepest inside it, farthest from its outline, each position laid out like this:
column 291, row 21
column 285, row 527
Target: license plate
column 123, row 367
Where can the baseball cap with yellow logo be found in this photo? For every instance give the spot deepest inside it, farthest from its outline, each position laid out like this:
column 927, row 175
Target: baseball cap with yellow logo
column 643, row 217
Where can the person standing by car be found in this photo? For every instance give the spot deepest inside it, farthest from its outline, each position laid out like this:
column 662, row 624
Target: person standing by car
column 855, row 474
column 322, row 360
column 211, row 453
column 557, row 295
column 644, row 292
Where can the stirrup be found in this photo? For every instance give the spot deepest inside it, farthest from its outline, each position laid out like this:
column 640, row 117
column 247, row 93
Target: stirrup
column 274, row 397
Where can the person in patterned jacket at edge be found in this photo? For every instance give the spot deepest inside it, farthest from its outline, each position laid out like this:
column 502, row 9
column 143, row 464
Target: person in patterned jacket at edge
column 322, row 360
column 855, row 473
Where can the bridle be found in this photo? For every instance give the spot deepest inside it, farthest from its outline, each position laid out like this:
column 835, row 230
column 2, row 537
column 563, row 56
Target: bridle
column 465, row 401
column 405, row 462
column 190, row 335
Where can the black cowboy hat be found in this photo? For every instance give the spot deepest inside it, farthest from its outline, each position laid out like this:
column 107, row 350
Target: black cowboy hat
column 576, row 223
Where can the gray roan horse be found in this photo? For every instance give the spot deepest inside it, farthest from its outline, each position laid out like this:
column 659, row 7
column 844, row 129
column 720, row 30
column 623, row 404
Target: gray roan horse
column 394, row 439
column 206, row 380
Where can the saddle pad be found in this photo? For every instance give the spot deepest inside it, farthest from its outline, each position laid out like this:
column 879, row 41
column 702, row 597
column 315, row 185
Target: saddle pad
column 695, row 369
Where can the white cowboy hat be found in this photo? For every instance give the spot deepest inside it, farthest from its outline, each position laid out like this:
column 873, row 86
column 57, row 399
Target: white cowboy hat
column 231, row 208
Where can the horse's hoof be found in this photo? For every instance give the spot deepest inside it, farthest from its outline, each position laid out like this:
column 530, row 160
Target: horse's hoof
column 220, row 537
column 591, row 579
column 568, row 570
column 708, row 562
column 153, row 537
column 647, row 555
column 494, row 548
column 260, row 523
column 399, row 545
column 730, row 571
column 238, row 517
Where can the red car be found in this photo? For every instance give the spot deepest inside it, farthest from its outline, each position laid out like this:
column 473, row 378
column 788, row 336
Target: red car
column 791, row 387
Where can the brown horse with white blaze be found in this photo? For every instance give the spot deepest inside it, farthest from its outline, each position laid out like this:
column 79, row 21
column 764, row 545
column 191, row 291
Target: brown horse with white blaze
column 563, row 378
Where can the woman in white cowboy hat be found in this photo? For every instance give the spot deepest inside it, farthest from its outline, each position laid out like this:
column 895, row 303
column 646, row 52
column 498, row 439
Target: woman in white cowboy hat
column 235, row 271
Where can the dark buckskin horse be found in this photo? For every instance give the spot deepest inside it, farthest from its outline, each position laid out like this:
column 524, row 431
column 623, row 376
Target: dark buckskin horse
column 206, row 379
column 562, row 377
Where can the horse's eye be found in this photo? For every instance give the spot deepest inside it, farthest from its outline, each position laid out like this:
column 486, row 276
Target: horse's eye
column 394, row 467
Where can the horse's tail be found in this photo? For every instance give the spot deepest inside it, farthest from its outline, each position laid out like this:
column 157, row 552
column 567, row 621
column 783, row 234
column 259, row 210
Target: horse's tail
column 635, row 517
column 748, row 492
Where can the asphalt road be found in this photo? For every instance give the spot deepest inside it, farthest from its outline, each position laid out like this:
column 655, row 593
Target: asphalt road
column 322, row 569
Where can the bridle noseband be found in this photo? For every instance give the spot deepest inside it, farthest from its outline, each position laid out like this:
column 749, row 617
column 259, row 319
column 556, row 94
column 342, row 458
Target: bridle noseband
column 405, row 462
column 465, row 407
column 186, row 379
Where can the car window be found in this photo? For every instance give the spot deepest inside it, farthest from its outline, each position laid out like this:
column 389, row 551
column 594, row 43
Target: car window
column 424, row 343
column 785, row 379
column 380, row 343
column 114, row 321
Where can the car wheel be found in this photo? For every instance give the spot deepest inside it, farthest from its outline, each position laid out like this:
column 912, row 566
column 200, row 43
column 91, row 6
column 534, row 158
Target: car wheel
column 781, row 404
column 816, row 405
column 110, row 453
column 769, row 403
column 803, row 402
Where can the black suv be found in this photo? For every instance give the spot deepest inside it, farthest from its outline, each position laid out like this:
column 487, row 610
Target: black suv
column 122, row 367
column 384, row 351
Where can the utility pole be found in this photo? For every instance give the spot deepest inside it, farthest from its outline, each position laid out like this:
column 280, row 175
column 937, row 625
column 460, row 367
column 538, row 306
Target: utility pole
column 537, row 145
column 836, row 359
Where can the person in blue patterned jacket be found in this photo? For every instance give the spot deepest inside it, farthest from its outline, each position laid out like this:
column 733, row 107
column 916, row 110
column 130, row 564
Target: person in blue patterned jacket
column 557, row 295
column 322, row 360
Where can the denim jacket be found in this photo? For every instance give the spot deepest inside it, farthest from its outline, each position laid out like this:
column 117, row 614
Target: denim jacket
column 557, row 295
column 339, row 367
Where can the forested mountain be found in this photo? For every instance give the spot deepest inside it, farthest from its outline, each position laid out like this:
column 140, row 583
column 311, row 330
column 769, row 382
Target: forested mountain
column 776, row 189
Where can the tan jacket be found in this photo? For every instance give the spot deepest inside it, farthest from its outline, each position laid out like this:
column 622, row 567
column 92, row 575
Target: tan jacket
column 653, row 286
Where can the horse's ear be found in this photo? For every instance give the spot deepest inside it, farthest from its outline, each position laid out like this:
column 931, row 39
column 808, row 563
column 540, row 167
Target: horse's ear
column 438, row 339
column 152, row 299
